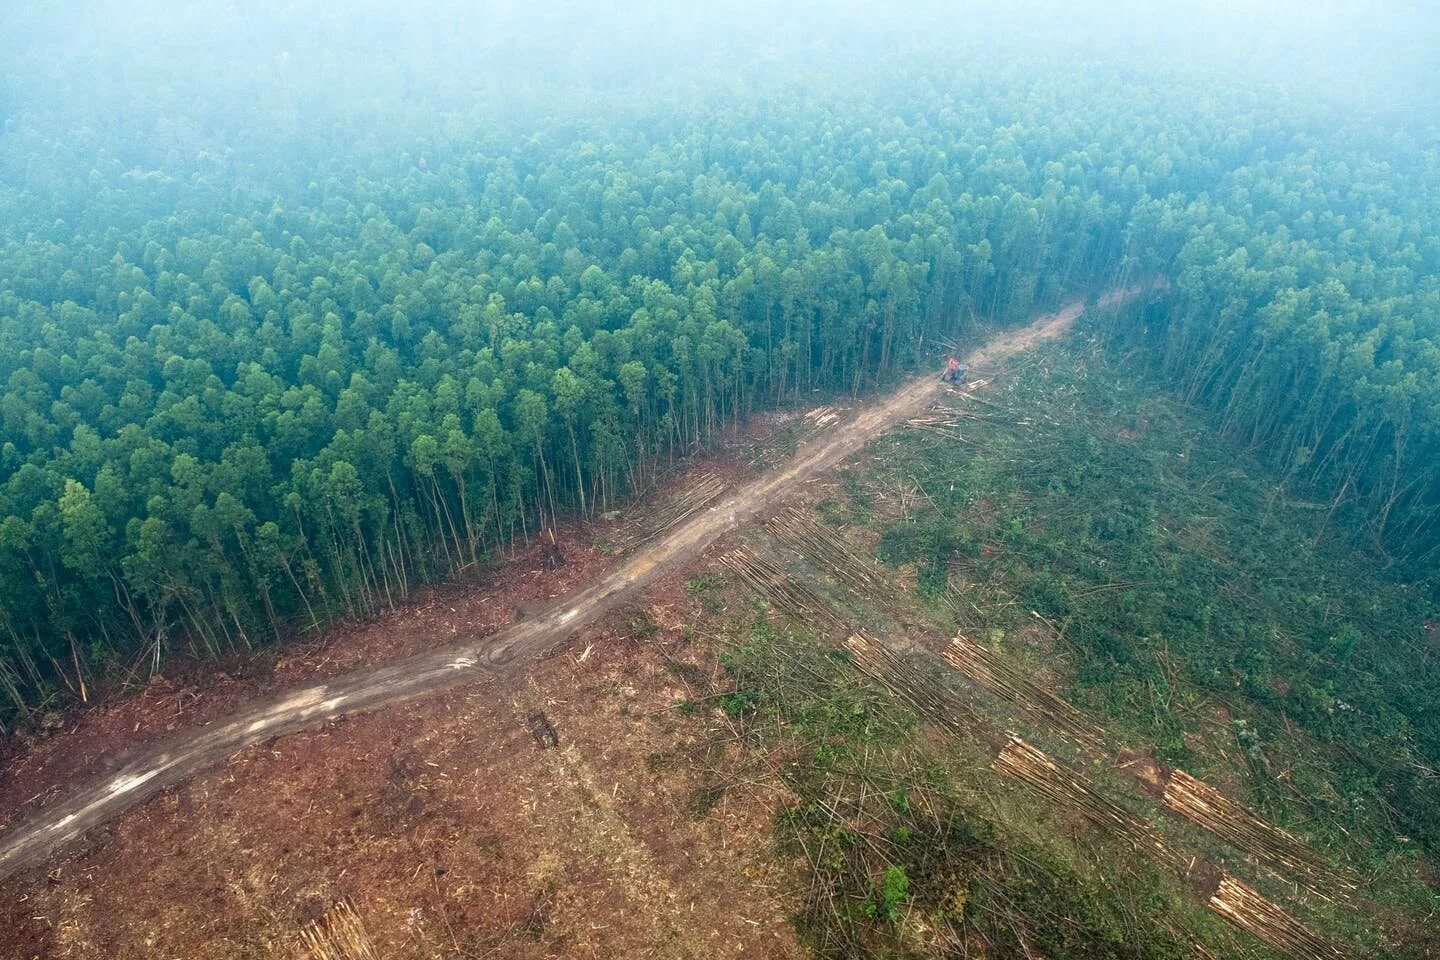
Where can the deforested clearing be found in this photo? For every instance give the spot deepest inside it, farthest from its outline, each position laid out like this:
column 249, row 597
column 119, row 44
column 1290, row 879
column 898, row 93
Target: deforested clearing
column 737, row 480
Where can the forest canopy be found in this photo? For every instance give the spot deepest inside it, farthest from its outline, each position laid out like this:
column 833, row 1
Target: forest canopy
column 291, row 323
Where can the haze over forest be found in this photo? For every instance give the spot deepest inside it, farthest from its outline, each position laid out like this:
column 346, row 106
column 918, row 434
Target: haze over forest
column 309, row 307
column 233, row 64
column 132, row 131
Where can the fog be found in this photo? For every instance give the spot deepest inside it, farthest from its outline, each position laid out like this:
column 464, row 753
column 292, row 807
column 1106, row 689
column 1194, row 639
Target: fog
column 223, row 62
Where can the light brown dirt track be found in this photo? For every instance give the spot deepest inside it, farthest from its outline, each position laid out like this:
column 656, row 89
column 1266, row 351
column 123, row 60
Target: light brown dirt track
column 504, row 653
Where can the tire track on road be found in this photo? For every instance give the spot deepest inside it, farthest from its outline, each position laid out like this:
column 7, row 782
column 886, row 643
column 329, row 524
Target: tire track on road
column 500, row 654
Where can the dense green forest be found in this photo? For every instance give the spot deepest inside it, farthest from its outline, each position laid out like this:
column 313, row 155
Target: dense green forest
column 1306, row 314
column 266, row 371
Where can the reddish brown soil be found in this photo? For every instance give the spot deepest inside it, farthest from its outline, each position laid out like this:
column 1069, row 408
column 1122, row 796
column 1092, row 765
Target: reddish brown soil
column 450, row 829
column 91, row 740
column 36, row 765
column 1144, row 769
column 452, row 832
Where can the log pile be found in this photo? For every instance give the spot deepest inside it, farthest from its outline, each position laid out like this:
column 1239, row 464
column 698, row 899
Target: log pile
column 1020, row 761
column 820, row 418
column 1251, row 912
column 338, row 935
column 997, row 675
column 1203, row 804
column 831, row 551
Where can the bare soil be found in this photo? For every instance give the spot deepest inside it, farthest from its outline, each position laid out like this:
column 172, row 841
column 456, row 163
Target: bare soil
column 453, row 831
column 33, row 770
column 450, row 829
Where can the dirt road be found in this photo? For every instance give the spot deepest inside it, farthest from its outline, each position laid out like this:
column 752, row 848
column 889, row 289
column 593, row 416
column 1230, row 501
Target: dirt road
column 498, row 654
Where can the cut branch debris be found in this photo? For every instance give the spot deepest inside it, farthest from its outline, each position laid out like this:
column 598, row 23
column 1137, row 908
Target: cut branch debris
column 773, row 583
column 780, row 446
column 1286, row 855
column 1248, row 910
column 1060, row 785
column 997, row 675
column 1020, row 761
column 1237, row 826
column 829, row 548
column 339, row 935
column 928, row 698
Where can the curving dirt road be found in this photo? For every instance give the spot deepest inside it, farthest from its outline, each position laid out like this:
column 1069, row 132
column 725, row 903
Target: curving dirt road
column 505, row 652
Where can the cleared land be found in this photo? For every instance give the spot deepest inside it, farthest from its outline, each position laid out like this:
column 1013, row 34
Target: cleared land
column 500, row 654
column 930, row 794
column 1069, row 533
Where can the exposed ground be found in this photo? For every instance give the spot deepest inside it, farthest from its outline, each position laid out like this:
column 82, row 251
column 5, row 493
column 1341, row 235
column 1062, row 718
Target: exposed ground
column 624, row 795
column 500, row 847
column 37, row 769
column 501, row 654
column 452, row 830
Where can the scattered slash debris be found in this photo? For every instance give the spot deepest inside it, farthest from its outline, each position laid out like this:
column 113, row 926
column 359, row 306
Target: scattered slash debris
column 1184, row 794
column 1020, row 761
column 1237, row 826
column 1233, row 900
column 829, row 548
column 766, row 578
column 822, row 417
column 997, row 675
column 338, row 935
column 1250, row 911
column 779, row 447
column 542, row 730
column 931, row 700
column 649, row 523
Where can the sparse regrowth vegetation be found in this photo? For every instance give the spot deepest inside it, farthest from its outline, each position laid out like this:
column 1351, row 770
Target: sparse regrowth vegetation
column 1144, row 598
column 1197, row 602
column 912, row 849
column 1085, row 526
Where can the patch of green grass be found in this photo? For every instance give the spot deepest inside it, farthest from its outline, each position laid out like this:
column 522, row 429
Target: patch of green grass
column 697, row 586
column 737, row 704
column 705, row 588
column 889, row 895
column 860, row 500
column 931, row 544
column 640, row 626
